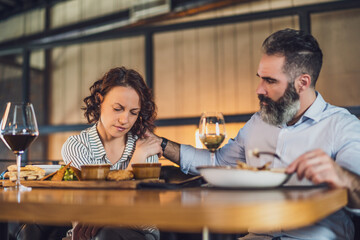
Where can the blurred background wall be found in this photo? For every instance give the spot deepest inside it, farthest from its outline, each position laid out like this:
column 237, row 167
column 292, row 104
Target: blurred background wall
column 194, row 69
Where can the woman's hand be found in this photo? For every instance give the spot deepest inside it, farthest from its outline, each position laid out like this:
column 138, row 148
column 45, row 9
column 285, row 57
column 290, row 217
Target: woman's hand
column 84, row 232
column 145, row 147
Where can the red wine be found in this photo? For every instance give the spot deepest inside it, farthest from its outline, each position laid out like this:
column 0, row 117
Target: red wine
column 18, row 143
column 212, row 141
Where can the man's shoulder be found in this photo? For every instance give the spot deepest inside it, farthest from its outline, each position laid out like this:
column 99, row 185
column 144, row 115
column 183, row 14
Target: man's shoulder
column 339, row 113
column 340, row 118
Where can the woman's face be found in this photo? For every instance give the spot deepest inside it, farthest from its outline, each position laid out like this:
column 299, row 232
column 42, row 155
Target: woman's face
column 119, row 111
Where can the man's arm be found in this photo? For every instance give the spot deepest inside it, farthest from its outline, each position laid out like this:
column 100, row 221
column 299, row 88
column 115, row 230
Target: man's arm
column 353, row 186
column 172, row 152
column 318, row 167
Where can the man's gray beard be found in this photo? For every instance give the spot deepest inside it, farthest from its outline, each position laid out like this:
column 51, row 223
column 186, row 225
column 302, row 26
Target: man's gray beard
column 282, row 111
column 279, row 120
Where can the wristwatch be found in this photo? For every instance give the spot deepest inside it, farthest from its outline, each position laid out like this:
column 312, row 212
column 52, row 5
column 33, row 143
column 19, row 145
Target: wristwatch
column 163, row 144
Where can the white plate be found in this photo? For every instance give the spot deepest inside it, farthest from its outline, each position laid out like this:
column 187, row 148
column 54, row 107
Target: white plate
column 49, row 168
column 222, row 176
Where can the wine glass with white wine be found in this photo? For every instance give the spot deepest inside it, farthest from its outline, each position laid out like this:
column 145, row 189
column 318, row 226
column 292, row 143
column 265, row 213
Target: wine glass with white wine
column 18, row 130
column 212, row 131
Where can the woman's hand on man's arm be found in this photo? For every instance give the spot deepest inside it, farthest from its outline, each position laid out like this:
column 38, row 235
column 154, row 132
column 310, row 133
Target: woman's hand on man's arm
column 172, row 149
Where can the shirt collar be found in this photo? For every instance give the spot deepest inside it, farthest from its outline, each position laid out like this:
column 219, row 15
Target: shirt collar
column 95, row 143
column 315, row 110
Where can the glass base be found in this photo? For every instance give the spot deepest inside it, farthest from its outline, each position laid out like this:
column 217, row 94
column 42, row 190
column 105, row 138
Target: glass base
column 20, row 188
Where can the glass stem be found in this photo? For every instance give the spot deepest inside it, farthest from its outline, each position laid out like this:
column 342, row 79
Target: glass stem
column 212, row 155
column 18, row 164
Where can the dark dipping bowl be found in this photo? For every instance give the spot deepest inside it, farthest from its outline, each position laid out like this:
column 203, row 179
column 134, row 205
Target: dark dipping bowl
column 95, row 171
column 146, row 170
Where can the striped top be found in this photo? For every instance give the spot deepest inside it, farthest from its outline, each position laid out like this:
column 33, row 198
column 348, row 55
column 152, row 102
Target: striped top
column 87, row 148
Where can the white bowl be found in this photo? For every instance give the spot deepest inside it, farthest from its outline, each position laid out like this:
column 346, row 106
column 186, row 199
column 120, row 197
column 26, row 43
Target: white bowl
column 231, row 177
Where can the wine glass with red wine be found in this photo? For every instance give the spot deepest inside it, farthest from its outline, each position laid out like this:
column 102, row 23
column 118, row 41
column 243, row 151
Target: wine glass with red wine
column 212, row 131
column 18, row 130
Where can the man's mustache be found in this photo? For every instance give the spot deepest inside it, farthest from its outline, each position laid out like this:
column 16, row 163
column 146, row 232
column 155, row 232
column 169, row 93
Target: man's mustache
column 265, row 99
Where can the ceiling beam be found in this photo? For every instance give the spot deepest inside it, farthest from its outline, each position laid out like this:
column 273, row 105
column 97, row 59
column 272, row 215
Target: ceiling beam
column 19, row 7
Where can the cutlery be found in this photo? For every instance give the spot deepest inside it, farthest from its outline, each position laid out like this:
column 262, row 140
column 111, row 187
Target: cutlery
column 256, row 153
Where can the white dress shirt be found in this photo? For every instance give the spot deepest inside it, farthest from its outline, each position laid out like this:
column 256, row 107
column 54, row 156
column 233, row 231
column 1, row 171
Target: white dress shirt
column 330, row 128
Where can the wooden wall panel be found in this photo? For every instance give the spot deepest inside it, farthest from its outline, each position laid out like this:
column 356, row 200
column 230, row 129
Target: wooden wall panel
column 55, row 144
column 34, row 21
column 136, row 55
column 208, row 54
column 90, row 70
column 58, row 15
column 210, row 69
column 90, row 8
column 244, row 68
column 188, row 72
column 164, row 69
column 71, row 97
column 339, row 36
column 12, row 28
column 226, row 81
column 182, row 134
column 57, row 108
column 105, row 53
column 68, row 12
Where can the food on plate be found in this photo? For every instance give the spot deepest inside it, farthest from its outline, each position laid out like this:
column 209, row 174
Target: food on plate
column 59, row 174
column 119, row 175
column 254, row 153
column 72, row 174
column 65, row 173
column 244, row 166
column 28, row 172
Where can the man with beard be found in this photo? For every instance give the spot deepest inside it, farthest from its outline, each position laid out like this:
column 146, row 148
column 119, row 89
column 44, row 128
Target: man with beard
column 319, row 142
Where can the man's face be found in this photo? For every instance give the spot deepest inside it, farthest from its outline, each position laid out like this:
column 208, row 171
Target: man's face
column 279, row 101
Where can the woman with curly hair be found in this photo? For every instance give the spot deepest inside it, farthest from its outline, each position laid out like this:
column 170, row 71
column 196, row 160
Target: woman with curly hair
column 122, row 109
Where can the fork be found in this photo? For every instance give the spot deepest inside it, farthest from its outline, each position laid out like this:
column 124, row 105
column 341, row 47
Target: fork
column 256, row 153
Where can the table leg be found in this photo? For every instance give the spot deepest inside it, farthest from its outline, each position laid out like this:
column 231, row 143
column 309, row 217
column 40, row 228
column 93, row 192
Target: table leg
column 205, row 234
column 4, row 231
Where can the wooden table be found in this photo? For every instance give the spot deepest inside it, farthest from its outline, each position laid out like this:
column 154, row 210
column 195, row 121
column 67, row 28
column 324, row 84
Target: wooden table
column 188, row 210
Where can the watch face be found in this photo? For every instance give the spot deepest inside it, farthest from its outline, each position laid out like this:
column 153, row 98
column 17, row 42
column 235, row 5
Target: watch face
column 164, row 143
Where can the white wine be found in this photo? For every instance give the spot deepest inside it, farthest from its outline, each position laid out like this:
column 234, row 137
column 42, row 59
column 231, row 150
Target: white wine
column 212, row 141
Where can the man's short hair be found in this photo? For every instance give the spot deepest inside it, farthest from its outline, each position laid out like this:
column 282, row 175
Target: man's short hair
column 301, row 51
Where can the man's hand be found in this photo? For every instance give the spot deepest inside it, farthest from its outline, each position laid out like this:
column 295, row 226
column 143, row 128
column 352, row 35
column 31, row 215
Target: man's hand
column 318, row 167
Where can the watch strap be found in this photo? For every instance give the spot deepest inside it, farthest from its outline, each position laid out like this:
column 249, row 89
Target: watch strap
column 163, row 144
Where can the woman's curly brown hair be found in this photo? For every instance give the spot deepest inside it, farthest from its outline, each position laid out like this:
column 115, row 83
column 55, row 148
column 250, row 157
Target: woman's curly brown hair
column 121, row 76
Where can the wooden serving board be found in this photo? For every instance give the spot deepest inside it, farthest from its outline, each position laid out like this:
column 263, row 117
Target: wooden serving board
column 127, row 184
